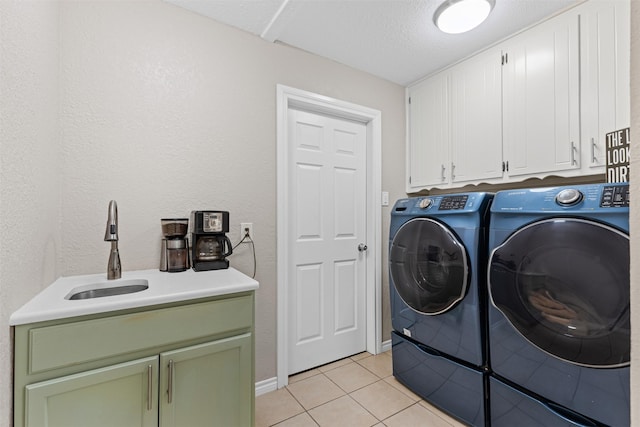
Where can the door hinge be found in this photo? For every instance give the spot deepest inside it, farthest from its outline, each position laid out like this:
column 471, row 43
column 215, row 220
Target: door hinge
column 409, row 180
column 409, row 100
column 505, row 58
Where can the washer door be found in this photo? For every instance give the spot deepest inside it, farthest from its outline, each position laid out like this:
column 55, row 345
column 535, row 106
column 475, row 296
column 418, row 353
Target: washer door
column 429, row 266
column 564, row 285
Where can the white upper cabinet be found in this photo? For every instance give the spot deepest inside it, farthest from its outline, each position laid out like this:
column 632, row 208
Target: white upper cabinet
column 455, row 125
column 605, row 58
column 541, row 116
column 537, row 104
column 428, row 155
column 476, row 119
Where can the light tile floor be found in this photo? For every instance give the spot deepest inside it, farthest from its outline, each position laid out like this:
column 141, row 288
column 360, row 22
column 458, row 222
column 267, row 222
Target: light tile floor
column 356, row 391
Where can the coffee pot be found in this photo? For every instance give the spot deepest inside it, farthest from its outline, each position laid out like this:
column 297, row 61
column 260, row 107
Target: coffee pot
column 209, row 243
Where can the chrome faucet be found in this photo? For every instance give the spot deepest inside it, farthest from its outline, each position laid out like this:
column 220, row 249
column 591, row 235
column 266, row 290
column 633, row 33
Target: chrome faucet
column 114, row 270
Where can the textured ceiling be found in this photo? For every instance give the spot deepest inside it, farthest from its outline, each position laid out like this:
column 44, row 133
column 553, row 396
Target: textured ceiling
column 392, row 39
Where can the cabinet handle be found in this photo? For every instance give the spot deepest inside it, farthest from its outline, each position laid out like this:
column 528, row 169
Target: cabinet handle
column 453, row 169
column 170, row 383
column 149, row 387
column 442, row 177
column 593, row 151
column 573, row 153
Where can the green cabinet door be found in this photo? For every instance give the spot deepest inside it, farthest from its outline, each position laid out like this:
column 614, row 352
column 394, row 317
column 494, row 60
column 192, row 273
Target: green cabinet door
column 208, row 385
column 123, row 395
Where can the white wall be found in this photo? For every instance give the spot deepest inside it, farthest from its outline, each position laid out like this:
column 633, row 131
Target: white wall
column 29, row 164
column 166, row 111
column 635, row 213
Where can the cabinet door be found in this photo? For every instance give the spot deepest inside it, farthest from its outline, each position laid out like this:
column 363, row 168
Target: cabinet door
column 208, row 385
column 428, row 149
column 123, row 395
column 541, row 99
column 605, row 58
column 476, row 118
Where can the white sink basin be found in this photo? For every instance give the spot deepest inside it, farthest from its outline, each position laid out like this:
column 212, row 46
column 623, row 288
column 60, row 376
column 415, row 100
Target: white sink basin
column 107, row 289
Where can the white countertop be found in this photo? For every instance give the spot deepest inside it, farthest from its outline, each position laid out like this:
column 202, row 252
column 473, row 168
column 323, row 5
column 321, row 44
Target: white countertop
column 163, row 288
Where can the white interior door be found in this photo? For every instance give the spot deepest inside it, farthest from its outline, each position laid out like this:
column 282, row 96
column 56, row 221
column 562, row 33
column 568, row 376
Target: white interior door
column 327, row 224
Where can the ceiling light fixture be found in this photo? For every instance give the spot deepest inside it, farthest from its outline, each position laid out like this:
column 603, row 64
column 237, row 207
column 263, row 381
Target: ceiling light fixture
column 459, row 16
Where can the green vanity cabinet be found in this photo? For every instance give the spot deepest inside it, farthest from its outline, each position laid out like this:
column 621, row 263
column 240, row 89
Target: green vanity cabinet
column 180, row 364
column 120, row 395
column 205, row 384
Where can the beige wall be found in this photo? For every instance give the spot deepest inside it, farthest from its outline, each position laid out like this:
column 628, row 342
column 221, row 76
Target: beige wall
column 134, row 100
column 29, row 164
column 164, row 111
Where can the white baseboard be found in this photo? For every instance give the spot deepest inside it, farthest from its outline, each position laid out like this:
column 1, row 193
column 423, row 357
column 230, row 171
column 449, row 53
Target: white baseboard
column 386, row 346
column 265, row 386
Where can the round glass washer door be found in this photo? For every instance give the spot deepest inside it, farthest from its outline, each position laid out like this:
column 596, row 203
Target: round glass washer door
column 563, row 283
column 428, row 266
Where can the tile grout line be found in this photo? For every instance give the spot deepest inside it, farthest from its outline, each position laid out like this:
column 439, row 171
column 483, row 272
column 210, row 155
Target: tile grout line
column 307, row 411
column 346, row 393
column 371, row 370
column 304, row 410
column 349, row 394
column 352, row 398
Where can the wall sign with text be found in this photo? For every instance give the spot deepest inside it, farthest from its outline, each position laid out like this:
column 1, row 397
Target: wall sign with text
column 618, row 143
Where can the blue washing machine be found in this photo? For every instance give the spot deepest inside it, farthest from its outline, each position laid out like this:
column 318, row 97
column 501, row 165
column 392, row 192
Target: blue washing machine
column 437, row 256
column 559, row 322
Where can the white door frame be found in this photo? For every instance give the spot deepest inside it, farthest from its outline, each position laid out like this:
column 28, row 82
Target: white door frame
column 288, row 97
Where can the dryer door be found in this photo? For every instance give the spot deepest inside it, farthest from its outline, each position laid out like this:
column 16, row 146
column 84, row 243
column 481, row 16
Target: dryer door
column 429, row 266
column 563, row 283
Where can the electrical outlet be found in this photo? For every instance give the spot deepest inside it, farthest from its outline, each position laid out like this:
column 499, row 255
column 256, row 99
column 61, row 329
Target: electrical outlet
column 244, row 226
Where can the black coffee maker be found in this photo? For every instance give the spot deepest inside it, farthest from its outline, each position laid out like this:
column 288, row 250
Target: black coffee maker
column 209, row 244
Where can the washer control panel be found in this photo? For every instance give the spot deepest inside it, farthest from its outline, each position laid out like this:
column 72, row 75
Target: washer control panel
column 615, row 196
column 450, row 203
column 425, row 203
column 587, row 198
column 569, row 197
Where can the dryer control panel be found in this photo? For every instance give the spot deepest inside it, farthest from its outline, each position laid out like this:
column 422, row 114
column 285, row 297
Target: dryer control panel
column 449, row 204
column 615, row 196
column 453, row 202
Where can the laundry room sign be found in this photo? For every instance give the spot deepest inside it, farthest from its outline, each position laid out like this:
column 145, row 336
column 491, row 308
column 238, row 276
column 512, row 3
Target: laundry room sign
column 618, row 143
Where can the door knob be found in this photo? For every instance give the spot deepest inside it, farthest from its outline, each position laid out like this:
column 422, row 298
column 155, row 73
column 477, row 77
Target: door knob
column 362, row 247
